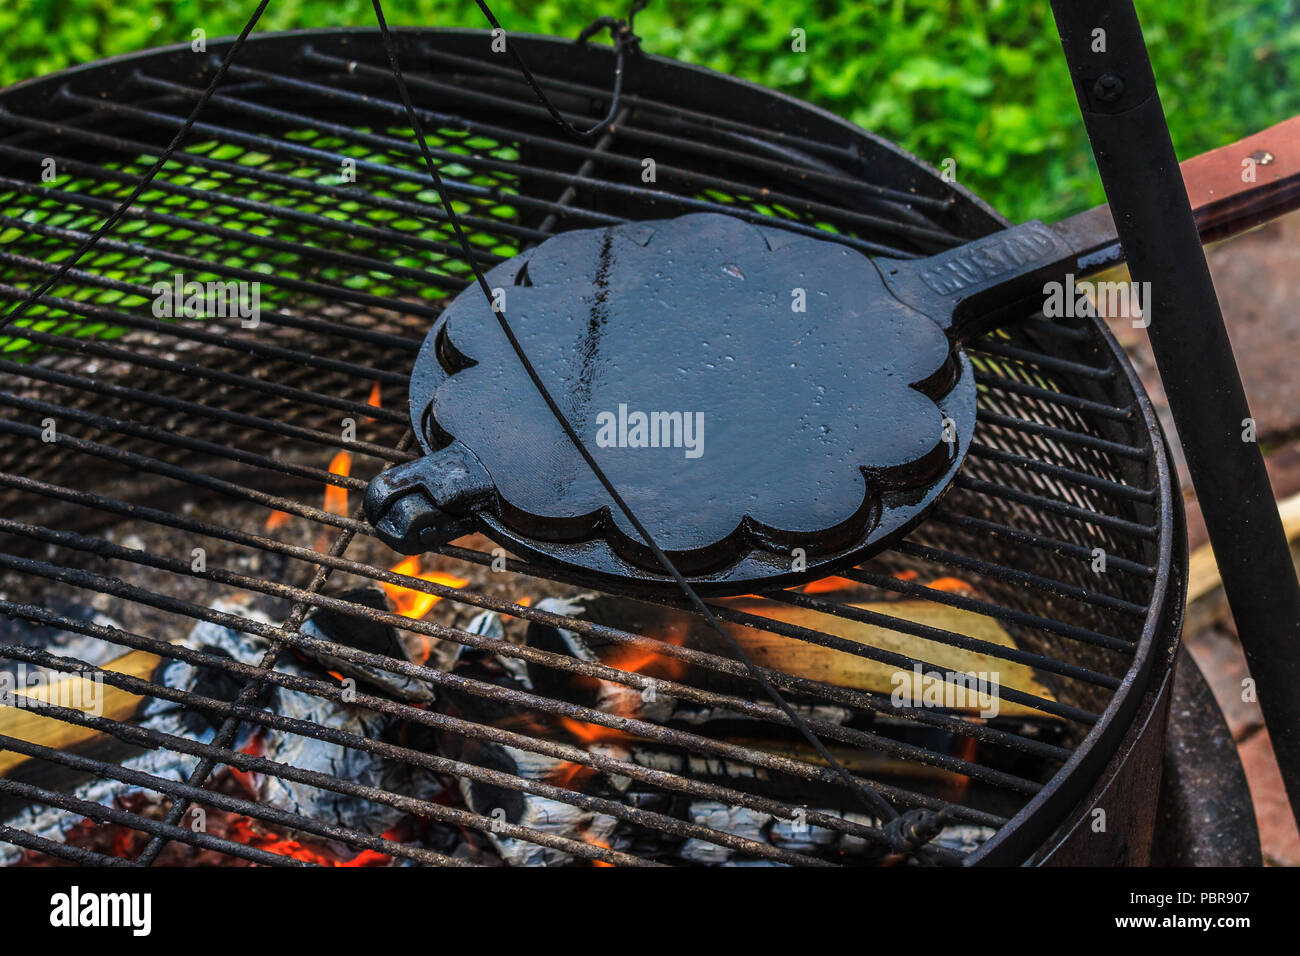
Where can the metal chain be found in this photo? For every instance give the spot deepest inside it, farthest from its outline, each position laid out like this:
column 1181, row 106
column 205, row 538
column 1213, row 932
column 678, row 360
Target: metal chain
column 624, row 40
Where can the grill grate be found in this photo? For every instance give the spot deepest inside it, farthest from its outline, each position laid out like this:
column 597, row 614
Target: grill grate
column 175, row 434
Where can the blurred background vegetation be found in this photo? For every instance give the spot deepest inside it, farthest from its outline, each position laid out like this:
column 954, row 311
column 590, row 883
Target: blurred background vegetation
column 981, row 81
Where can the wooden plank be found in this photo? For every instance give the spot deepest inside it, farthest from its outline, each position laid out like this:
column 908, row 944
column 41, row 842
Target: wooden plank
column 848, row 670
column 114, row 703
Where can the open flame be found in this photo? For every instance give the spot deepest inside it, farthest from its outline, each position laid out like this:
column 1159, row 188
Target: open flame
column 336, row 498
column 621, row 701
column 832, row 583
column 409, row 602
column 950, row 584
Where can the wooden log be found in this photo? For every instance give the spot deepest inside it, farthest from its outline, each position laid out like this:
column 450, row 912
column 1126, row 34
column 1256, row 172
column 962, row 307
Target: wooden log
column 30, row 726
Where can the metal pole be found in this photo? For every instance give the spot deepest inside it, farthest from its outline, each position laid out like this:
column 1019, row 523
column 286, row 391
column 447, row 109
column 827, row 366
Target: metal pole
column 1121, row 110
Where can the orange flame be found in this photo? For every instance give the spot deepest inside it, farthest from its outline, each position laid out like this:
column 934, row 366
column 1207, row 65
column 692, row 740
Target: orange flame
column 277, row 519
column 833, row 583
column 412, row 603
column 373, row 401
column 524, row 601
column 336, row 498
column 595, row 841
column 625, row 657
column 949, row 584
column 640, row 660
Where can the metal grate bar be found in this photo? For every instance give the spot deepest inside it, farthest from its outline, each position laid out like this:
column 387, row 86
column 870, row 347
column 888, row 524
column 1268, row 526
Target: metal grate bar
column 1025, row 578
column 154, row 466
column 687, row 177
column 1085, row 515
column 675, row 689
column 437, row 678
column 216, row 413
column 1114, row 488
column 164, row 437
column 256, row 764
column 694, row 657
column 193, row 334
column 275, row 721
column 400, row 145
column 177, row 367
column 686, row 118
column 1077, row 551
column 173, row 788
column 97, row 811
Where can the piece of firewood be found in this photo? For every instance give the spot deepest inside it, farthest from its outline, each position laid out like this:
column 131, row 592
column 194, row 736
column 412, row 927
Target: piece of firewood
column 1203, row 571
column 30, row 726
column 848, row 670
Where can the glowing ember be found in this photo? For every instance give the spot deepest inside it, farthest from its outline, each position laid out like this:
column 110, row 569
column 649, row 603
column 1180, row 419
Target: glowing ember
column 336, row 498
column 248, row 780
column 415, row 604
column 244, row 830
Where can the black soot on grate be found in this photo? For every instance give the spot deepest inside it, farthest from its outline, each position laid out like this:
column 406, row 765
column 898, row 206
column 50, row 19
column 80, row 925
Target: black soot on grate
column 210, row 657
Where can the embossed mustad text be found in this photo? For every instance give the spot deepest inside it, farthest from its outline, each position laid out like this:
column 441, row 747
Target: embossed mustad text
column 988, row 259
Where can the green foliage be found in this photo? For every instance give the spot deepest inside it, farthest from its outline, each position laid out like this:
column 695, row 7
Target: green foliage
column 981, row 81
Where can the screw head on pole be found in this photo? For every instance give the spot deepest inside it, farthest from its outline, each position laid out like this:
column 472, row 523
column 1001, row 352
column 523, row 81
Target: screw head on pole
column 1108, row 88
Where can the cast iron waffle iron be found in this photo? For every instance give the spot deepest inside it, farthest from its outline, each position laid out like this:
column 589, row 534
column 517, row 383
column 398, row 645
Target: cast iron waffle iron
column 774, row 406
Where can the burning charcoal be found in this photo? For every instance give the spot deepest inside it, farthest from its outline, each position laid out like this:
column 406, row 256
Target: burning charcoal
column 608, row 696
column 373, row 637
column 802, row 837
column 530, row 810
column 357, row 766
column 302, row 752
column 743, row 822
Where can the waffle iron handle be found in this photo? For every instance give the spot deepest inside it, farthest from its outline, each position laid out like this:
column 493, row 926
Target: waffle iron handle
column 997, row 279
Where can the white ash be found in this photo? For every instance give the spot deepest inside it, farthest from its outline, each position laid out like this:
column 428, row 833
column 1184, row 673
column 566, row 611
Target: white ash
column 542, row 813
column 800, row 836
column 739, row 821
column 302, row 752
column 92, row 650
